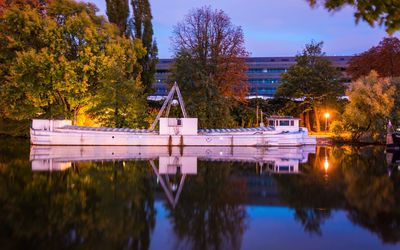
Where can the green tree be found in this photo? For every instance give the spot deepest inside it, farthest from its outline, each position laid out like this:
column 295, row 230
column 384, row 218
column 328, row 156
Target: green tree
column 56, row 62
column 119, row 100
column 118, row 12
column 141, row 28
column 371, row 101
column 209, row 65
column 314, row 80
column 386, row 12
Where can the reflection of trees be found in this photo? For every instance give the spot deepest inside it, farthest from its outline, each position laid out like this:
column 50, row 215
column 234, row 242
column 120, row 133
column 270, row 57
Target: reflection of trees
column 209, row 214
column 373, row 197
column 312, row 194
column 357, row 180
column 106, row 205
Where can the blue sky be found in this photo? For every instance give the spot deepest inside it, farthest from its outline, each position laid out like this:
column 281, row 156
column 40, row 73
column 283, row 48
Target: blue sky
column 271, row 28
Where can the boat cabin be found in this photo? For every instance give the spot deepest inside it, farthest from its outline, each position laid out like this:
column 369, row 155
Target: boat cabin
column 284, row 123
column 178, row 126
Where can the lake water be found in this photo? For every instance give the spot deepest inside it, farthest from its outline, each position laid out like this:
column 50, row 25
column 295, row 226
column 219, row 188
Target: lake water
column 336, row 197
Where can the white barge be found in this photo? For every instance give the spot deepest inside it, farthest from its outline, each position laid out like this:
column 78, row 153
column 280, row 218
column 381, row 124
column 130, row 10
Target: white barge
column 281, row 131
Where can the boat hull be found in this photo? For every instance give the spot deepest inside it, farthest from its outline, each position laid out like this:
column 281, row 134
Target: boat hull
column 103, row 138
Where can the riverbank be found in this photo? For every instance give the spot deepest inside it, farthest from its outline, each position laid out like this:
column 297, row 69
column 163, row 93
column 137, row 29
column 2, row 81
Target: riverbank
column 326, row 139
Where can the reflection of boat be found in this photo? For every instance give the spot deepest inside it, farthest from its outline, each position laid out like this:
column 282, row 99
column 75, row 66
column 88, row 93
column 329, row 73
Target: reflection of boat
column 282, row 131
column 60, row 157
column 174, row 163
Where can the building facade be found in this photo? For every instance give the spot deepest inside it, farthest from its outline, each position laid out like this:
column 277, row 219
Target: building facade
column 264, row 73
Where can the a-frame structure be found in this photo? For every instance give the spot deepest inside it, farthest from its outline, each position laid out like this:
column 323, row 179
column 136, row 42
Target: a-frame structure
column 173, row 200
column 167, row 104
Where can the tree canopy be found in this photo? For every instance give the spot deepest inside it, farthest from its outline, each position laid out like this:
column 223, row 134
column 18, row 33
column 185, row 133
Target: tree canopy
column 209, row 65
column 371, row 101
column 118, row 12
column 141, row 27
column 381, row 12
column 54, row 63
column 313, row 79
column 383, row 58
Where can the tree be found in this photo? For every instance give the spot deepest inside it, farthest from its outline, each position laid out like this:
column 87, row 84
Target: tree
column 314, row 80
column 384, row 59
column 371, row 103
column 118, row 12
column 209, row 65
column 386, row 13
column 55, row 62
column 119, row 101
column 142, row 28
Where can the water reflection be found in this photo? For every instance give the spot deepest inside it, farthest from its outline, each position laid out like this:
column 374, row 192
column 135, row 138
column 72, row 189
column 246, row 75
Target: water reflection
column 175, row 163
column 105, row 197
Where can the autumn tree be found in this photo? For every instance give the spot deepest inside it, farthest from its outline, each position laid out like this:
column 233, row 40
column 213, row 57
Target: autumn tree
column 386, row 13
column 383, row 58
column 371, row 100
column 118, row 12
column 141, row 27
column 313, row 80
column 209, row 66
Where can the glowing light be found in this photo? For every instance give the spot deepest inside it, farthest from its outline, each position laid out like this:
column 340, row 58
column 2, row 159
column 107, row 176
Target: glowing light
column 326, row 164
column 327, row 115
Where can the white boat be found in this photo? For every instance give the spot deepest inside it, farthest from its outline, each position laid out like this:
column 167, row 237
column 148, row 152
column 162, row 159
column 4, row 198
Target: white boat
column 281, row 131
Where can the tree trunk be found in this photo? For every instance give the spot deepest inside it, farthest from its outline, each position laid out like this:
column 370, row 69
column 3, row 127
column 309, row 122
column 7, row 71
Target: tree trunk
column 307, row 120
column 317, row 118
column 317, row 157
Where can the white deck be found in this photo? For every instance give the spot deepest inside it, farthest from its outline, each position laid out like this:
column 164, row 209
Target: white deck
column 127, row 137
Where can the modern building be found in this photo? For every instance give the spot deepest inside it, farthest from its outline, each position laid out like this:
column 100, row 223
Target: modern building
column 264, row 73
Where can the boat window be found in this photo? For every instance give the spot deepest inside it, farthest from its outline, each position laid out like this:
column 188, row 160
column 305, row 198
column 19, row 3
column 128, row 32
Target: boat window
column 179, row 122
column 271, row 122
column 284, row 123
column 291, row 123
column 284, row 168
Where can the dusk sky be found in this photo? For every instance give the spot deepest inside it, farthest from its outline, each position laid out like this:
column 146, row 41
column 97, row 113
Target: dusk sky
column 271, row 28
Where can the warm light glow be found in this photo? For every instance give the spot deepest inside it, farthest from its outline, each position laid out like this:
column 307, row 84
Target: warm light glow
column 327, row 115
column 326, row 164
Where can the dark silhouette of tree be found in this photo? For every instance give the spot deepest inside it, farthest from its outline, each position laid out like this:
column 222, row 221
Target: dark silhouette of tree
column 141, row 27
column 118, row 12
column 386, row 13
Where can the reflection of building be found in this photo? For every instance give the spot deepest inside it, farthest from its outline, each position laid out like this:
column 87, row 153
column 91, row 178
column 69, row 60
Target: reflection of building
column 264, row 73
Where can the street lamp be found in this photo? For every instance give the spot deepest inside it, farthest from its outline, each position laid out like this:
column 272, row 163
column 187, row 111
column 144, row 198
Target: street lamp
column 326, row 115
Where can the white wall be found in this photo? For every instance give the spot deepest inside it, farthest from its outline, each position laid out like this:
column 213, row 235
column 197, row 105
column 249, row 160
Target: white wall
column 169, row 165
column 168, row 126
